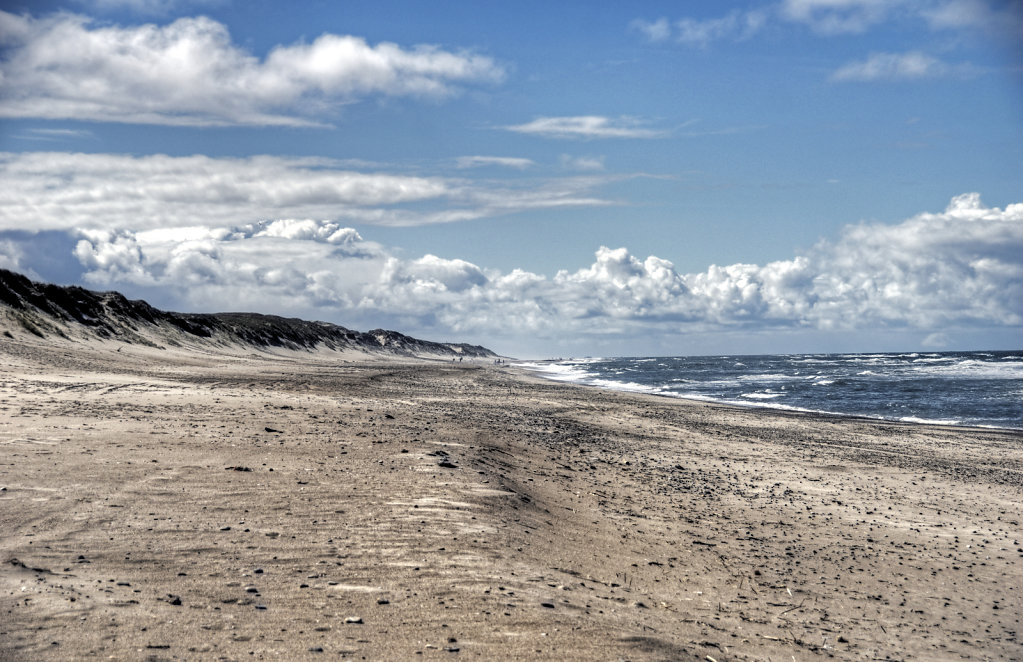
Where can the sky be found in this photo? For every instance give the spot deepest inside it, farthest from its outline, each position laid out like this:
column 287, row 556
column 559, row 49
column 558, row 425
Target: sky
column 545, row 179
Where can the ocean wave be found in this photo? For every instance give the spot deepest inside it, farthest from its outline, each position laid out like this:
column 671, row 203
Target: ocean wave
column 768, row 377
column 917, row 388
column 982, row 369
column 623, row 386
column 558, row 371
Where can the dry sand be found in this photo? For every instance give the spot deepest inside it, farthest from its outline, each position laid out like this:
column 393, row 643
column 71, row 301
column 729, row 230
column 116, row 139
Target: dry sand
column 161, row 505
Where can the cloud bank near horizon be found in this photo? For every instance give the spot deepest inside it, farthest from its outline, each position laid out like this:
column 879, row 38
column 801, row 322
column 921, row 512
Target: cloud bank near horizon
column 64, row 191
column 960, row 267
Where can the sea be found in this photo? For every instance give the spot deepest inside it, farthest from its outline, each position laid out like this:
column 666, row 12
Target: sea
column 977, row 389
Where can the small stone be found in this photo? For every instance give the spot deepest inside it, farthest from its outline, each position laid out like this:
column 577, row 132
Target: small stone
column 447, row 464
column 316, row 649
column 843, row 640
column 549, row 605
column 353, row 620
column 261, row 607
column 383, row 601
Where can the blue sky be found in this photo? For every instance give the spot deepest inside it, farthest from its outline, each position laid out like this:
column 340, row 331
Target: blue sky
column 545, row 179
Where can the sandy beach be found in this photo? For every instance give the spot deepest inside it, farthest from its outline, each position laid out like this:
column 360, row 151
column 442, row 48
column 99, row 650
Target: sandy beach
column 173, row 505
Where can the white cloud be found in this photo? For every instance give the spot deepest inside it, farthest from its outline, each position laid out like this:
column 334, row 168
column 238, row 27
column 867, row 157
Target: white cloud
column 484, row 161
column 592, row 163
column 54, row 134
column 839, row 16
column 582, row 163
column 930, row 273
column 1007, row 19
column 587, row 126
column 190, row 73
column 152, row 7
column 936, row 340
column 658, row 30
column 115, row 255
column 12, row 257
column 60, row 191
column 734, row 25
column 312, row 230
column 893, row 66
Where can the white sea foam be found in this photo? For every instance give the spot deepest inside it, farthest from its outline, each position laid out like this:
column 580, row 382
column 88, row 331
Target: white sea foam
column 769, row 377
column 558, row 371
column 623, row 386
column 929, row 421
column 975, row 369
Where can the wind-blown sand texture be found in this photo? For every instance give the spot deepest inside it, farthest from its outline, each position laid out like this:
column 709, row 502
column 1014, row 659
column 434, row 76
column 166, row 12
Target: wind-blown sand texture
column 172, row 505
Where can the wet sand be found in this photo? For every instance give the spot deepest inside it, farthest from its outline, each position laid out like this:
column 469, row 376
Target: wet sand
column 171, row 506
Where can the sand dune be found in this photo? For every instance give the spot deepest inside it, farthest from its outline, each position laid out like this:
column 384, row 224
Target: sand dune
column 163, row 504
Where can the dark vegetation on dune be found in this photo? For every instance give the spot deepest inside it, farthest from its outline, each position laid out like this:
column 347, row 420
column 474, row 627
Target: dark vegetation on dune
column 45, row 309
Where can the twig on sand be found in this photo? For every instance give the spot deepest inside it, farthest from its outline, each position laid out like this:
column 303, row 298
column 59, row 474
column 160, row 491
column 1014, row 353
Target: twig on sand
column 794, row 608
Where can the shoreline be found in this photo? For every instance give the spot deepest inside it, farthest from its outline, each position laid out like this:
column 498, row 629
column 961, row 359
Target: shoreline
column 166, row 505
column 790, row 410
column 531, row 367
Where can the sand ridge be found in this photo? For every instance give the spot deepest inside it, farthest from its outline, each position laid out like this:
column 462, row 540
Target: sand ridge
column 164, row 505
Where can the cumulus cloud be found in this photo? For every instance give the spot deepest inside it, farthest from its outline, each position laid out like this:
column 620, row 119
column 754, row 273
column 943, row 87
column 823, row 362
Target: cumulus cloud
column 59, row 190
column 587, row 126
column 960, row 267
column 11, row 256
column 189, row 72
